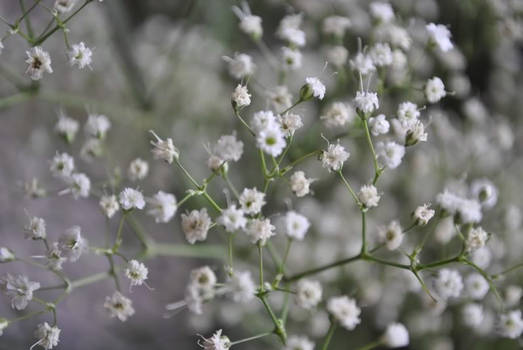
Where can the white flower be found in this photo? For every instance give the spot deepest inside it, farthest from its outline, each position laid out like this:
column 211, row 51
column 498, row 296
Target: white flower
column 260, row 230
column 36, row 228
column 396, row 336
column 232, row 219
column 38, row 62
column 308, row 293
column 138, row 169
column 33, row 189
column 164, row 150
column 109, row 205
column 379, row 125
column 228, row 148
column 382, row 11
column 434, row 90
column 511, row 324
column 469, row 211
column 249, row 24
column 195, row 225
column 296, row 225
column 336, row 25
column 79, row 185
column 484, row 191
column 203, row 278
column 252, row 200
column 240, row 66
column 263, row 120
column 271, row 140
column 3, row 325
column 54, row 257
column 48, row 336
column 362, row 63
column 136, row 272
column 162, row 206
column 313, row 87
column 449, row 283
column 415, row 133
column 280, row 97
column 240, row 96
column 337, row 55
column 381, row 55
column 119, row 306
column 290, row 122
column 472, row 315
column 392, row 235
column 66, row 127
column 368, row 196
column 80, row 55
column 512, row 295
column 91, row 149
column 64, row 6
column 289, row 30
column 334, row 157
column 6, row 255
column 423, row 214
column 408, row 113
column 345, row 310
column 399, row 60
column 241, row 287
column 337, row 115
column 477, row 237
column 19, row 289
column 216, row 342
column 291, row 58
column 440, row 35
column 476, row 286
column 397, row 36
column 72, row 244
column 366, row 102
column 130, row 198
column 97, row 125
column 62, row 165
column 295, row 342
column 390, row 153
column 300, row 184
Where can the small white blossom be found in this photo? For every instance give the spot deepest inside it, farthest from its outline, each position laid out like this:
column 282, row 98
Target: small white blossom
column 130, row 199
column 54, row 257
column 334, row 157
column 72, row 244
column 511, row 324
column 296, row 225
column 289, row 30
column 263, row 120
column 308, row 293
column 366, row 102
column 337, row 115
column 216, row 342
column 379, row 125
column 392, row 235
column 3, row 325
column 381, row 55
column 195, row 225
column 162, row 206
column 62, row 165
column 19, row 289
column 97, row 125
column 164, row 150
column 369, row 196
column 390, row 153
column 291, row 58
column 300, row 184
column 138, row 169
column 240, row 96
column 434, row 90
column 252, row 200
column 423, row 214
column 109, row 205
column 80, row 55
column 271, row 140
column 249, row 23
column 336, row 25
column 136, row 272
column 313, row 88
column 472, row 315
column 38, row 62
column 337, row 55
column 280, row 97
column 232, row 219
column 119, row 306
column 203, row 277
column 228, row 148
column 362, row 63
column 66, row 127
column 48, row 336
column 440, row 35
column 396, row 336
column 6, row 255
column 240, row 66
column 260, row 230
column 512, row 295
column 449, row 283
column 382, row 11
column 408, row 113
column 79, row 185
column 484, row 191
column 345, row 310
column 295, row 342
column 241, row 287
column 476, row 286
column 415, row 132
column 290, row 122
column 35, row 229
column 477, row 237
column 91, row 149
column 64, row 6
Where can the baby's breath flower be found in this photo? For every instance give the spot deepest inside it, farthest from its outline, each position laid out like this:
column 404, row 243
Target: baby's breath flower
column 290, row 122
column 381, row 11
column 440, row 35
column 379, row 125
column 512, row 295
column 35, row 229
column 449, row 283
column 72, row 244
column 313, row 88
column 392, row 235
column 138, row 169
column 390, row 153
column 97, row 125
column 55, row 259
column 62, row 165
column 408, row 113
column 232, row 219
column 34, row 189
column 260, row 230
column 366, row 102
column 48, row 336
column 477, row 237
column 249, row 23
column 362, row 63
column 334, row 157
column 484, row 191
column 289, row 30
column 19, row 289
column 271, row 140
column 396, row 336
column 291, row 58
column 472, row 315
column 195, row 225
column 299, row 343
column 64, row 6
column 345, row 311
column 336, row 25
column 300, row 184
column 119, row 306
column 130, row 199
column 338, row 115
column 79, row 185
column 216, row 342
column 228, row 148
column 240, row 96
column 511, row 324
column 164, row 150
column 241, row 287
column 203, row 277
column 296, row 225
column 280, row 97
column 38, row 62
column 308, row 293
column 91, row 149
column 337, row 55
column 3, row 325
column 162, row 206
column 415, row 133
column 240, row 66
column 66, row 127
column 381, row 55
column 109, row 205
column 6, row 255
column 423, row 214
column 252, row 200
column 476, row 286
column 434, row 90
column 136, row 272
column 369, row 196
column 80, row 55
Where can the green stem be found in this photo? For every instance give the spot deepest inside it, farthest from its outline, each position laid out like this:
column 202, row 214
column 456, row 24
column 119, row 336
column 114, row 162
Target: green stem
column 237, row 114
column 385, row 262
column 299, row 160
column 260, row 251
column 377, row 170
column 363, row 233
column 371, row 345
column 251, row 338
column 513, row 268
column 322, row 268
column 291, row 107
column 329, row 335
column 230, row 247
column 353, row 194
column 281, row 268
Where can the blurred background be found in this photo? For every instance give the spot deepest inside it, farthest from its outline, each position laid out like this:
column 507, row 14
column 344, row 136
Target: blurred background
column 158, row 65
